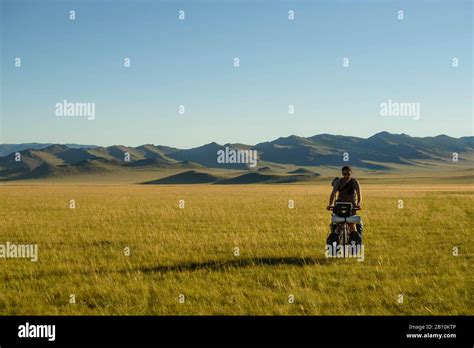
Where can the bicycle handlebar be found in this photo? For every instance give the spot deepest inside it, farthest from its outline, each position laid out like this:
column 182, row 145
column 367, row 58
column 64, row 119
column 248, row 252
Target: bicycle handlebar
column 353, row 208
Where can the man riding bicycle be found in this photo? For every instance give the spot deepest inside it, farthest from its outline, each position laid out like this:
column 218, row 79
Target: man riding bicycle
column 347, row 189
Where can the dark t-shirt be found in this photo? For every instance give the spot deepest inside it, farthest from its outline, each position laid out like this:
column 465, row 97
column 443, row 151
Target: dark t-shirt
column 346, row 192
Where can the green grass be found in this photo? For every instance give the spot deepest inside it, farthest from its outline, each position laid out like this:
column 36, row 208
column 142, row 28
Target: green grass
column 190, row 251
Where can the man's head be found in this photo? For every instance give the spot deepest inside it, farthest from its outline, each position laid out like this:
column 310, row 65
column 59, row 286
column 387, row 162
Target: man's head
column 346, row 173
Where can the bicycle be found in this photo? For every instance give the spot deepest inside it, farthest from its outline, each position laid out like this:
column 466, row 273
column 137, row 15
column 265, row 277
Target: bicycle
column 342, row 216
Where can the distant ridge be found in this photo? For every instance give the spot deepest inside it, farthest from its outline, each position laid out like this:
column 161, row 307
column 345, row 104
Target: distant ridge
column 259, row 178
column 189, row 177
column 6, row 149
column 303, row 171
column 381, row 152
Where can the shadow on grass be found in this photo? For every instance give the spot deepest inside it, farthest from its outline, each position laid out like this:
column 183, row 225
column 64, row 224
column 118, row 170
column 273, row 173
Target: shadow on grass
column 215, row 265
column 222, row 265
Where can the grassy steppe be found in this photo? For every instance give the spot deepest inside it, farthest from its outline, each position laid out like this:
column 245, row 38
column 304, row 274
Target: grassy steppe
column 190, row 251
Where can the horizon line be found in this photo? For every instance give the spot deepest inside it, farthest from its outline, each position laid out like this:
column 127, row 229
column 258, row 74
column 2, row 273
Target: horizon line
column 228, row 143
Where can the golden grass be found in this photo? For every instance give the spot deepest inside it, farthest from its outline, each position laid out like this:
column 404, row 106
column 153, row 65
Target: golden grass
column 190, row 251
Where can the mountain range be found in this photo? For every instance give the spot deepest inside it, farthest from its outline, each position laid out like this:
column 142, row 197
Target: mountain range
column 376, row 153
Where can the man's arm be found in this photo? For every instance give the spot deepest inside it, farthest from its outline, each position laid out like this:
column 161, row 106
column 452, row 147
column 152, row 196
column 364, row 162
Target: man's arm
column 332, row 197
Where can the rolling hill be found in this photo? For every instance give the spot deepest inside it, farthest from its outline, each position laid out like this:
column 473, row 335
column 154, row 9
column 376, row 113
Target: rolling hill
column 259, row 178
column 188, row 177
column 301, row 157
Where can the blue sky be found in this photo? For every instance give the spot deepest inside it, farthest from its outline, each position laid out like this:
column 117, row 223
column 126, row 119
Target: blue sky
column 190, row 62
